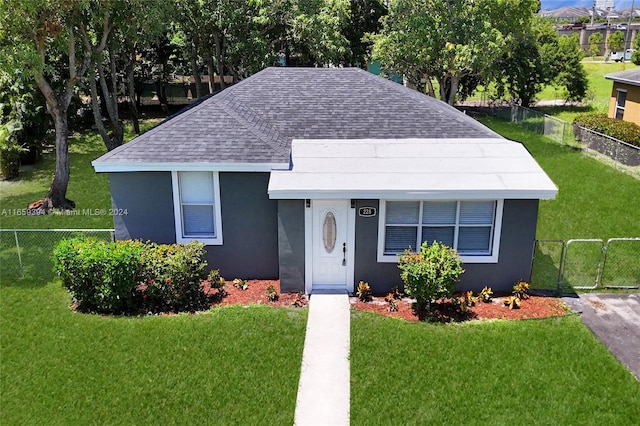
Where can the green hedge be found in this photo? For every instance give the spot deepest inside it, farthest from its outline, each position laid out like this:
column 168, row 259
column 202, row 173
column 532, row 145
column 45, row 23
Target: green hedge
column 623, row 130
column 130, row 277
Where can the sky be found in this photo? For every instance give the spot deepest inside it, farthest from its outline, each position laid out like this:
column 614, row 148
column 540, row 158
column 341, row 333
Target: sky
column 556, row 4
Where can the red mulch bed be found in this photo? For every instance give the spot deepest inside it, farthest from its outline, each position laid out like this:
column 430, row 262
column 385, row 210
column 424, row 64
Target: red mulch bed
column 256, row 294
column 534, row 307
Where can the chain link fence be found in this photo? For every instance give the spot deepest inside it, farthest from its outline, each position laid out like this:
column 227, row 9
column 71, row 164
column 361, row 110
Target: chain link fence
column 543, row 124
column 586, row 264
column 624, row 156
column 28, row 252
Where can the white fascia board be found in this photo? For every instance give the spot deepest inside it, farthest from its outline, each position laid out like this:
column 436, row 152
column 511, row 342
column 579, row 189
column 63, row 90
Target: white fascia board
column 527, row 194
column 101, row 167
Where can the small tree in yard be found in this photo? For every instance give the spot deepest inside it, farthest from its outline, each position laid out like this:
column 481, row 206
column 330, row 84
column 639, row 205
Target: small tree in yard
column 430, row 274
column 595, row 40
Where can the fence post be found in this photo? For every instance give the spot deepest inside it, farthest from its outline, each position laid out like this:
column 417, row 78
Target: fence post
column 15, row 234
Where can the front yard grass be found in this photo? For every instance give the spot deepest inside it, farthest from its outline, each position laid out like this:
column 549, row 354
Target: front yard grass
column 231, row 365
column 551, row 371
column 88, row 189
column 594, row 200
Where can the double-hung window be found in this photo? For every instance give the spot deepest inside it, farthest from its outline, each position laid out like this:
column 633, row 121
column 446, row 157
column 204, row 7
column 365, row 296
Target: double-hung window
column 621, row 100
column 470, row 227
column 197, row 207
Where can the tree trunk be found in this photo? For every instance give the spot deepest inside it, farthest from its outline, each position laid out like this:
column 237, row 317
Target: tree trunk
column 194, row 69
column 430, row 88
column 453, row 90
column 219, row 43
column 56, row 198
column 95, row 108
column 131, row 89
column 209, row 60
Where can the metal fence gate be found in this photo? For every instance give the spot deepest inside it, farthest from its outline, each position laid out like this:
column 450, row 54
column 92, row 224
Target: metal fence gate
column 586, row 264
column 28, row 252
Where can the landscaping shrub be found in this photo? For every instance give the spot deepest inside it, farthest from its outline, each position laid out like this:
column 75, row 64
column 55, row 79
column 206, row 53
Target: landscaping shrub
column 623, row 130
column 430, row 274
column 129, row 277
column 102, row 277
column 173, row 275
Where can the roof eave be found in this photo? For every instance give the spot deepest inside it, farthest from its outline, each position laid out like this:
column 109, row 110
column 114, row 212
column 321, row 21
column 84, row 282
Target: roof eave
column 489, row 194
column 120, row 167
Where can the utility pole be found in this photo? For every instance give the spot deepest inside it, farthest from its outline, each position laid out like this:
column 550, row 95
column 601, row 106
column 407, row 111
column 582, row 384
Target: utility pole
column 627, row 38
column 593, row 13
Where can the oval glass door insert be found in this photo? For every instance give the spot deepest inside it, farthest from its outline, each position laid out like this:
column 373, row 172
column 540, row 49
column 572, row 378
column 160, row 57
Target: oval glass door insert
column 329, row 232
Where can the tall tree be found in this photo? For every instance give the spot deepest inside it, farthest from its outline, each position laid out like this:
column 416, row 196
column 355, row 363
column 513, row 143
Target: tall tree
column 595, row 40
column 615, row 42
column 364, row 18
column 305, row 32
column 443, row 40
column 31, row 33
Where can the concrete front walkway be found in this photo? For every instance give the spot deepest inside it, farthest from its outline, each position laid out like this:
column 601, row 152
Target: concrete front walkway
column 323, row 390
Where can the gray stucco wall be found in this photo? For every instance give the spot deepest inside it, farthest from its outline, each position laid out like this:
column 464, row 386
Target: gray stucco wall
column 249, row 228
column 519, row 221
column 148, row 200
column 291, row 244
column 249, row 219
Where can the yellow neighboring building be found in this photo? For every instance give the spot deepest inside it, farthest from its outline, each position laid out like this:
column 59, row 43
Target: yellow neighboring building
column 625, row 95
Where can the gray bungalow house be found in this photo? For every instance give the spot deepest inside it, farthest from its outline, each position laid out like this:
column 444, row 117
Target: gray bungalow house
column 321, row 176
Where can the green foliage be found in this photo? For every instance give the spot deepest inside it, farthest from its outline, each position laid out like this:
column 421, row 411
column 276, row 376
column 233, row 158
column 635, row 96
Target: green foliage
column 615, row 42
column 397, row 294
column 393, row 305
column 451, row 42
column 624, row 130
column 272, row 293
column 635, row 57
column 430, row 274
column 173, row 275
column 568, row 70
column 466, row 300
column 521, row 289
column 216, row 281
column 486, row 294
column 240, row 284
column 513, row 302
column 10, row 151
column 101, row 277
column 364, row 291
column 129, row 277
column 595, row 40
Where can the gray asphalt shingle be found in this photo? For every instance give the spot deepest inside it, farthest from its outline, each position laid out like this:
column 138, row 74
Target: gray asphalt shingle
column 255, row 120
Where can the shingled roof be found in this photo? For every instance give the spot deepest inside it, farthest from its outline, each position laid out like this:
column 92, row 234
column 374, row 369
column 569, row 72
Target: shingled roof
column 253, row 122
column 631, row 77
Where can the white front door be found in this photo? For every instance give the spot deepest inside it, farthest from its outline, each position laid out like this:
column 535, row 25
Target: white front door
column 331, row 247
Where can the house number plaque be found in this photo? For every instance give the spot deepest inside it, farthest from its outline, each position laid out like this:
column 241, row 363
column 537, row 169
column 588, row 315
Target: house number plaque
column 367, row 211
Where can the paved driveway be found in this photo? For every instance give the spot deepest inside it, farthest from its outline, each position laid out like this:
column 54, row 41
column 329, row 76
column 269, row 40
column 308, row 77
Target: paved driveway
column 615, row 320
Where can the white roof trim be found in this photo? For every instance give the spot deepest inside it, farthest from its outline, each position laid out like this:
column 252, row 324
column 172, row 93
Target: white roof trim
column 393, row 195
column 488, row 168
column 101, row 167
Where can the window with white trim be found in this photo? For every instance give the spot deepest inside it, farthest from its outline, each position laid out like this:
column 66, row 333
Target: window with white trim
column 197, row 207
column 470, row 227
column 621, row 100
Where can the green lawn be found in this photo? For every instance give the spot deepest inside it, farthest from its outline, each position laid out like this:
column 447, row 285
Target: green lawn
column 547, row 372
column 232, row 365
column 599, row 91
column 90, row 190
column 594, row 201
